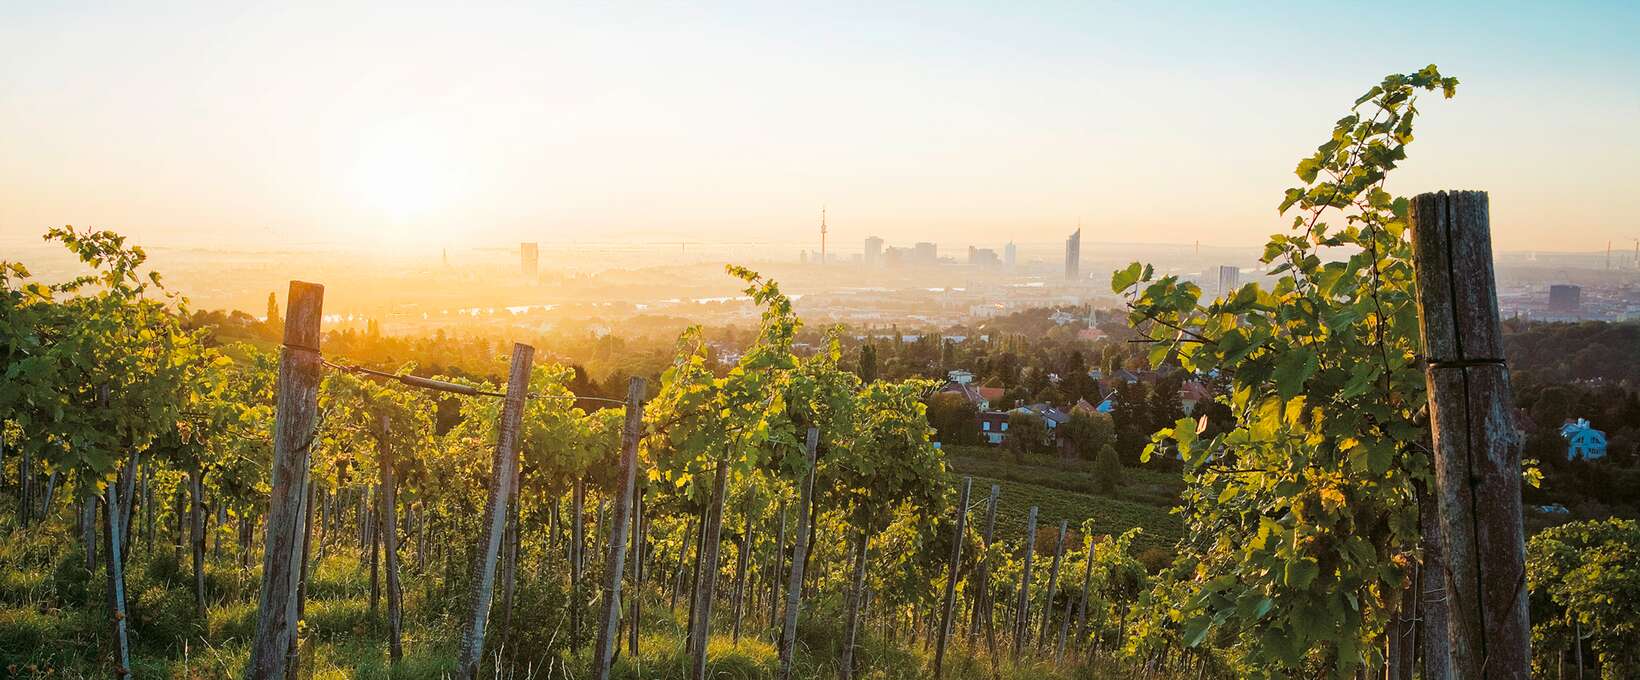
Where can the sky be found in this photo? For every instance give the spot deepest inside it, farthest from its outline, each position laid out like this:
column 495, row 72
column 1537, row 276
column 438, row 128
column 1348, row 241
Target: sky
column 208, row 123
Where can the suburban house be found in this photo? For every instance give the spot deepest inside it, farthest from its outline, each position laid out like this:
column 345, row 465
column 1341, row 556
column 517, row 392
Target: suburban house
column 993, row 426
column 1193, row 392
column 961, row 382
column 1583, row 441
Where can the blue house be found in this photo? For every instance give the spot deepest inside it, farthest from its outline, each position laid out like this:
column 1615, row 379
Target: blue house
column 1583, row 441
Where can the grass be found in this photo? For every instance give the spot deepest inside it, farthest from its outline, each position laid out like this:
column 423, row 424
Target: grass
column 1139, row 485
column 53, row 622
column 1062, row 489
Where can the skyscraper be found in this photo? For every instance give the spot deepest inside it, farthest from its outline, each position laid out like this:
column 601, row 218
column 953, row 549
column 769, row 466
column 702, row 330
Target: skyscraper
column 874, row 251
column 1565, row 299
column 529, row 256
column 1229, row 279
column 1073, row 255
column 926, row 253
column 1010, row 255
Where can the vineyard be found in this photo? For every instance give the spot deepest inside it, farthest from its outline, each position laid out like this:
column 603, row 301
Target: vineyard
column 179, row 507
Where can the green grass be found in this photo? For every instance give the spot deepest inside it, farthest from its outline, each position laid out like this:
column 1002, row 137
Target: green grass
column 1064, row 489
column 1139, row 485
column 53, row 623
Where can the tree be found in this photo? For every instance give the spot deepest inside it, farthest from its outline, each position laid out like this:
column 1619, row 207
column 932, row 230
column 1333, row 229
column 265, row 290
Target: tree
column 955, row 419
column 1107, row 469
column 1026, row 432
column 867, row 369
column 1131, row 419
column 1089, row 433
column 274, row 324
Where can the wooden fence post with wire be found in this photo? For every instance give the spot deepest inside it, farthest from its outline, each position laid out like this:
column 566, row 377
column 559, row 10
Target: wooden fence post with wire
column 296, row 412
column 1477, row 448
column 503, row 471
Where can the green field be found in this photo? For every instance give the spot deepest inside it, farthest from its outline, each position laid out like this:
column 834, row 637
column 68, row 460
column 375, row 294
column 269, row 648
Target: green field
column 1065, row 490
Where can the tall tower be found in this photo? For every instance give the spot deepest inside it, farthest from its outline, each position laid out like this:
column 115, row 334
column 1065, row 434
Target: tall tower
column 1073, row 255
column 822, row 234
column 1010, row 255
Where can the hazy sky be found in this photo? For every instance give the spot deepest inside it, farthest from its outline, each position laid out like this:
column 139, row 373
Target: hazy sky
column 963, row 123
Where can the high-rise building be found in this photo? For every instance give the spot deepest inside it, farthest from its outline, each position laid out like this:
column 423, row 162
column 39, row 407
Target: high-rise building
column 529, row 257
column 1073, row 255
column 1565, row 299
column 874, row 251
column 1010, row 255
column 925, row 253
column 1229, row 279
column 982, row 257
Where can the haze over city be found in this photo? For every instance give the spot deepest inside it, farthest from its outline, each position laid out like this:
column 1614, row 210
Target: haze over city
column 197, row 124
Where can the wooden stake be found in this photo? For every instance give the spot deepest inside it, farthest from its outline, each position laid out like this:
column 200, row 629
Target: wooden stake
column 609, row 629
column 502, row 468
column 951, row 576
column 113, row 559
column 1053, row 586
column 1477, row 449
column 390, row 543
column 295, row 414
column 794, row 586
column 982, row 600
column 706, row 575
column 1022, row 608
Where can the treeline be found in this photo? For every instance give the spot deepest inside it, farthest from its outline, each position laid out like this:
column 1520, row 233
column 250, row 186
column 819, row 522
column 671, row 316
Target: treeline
column 1586, row 351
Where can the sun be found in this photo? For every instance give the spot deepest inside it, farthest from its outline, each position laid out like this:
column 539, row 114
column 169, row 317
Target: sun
column 402, row 175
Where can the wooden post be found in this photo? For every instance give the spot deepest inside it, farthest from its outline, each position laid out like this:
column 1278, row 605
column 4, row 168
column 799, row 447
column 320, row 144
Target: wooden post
column 1477, row 449
column 495, row 513
column 577, row 559
column 294, row 422
column 196, row 537
column 1022, row 608
column 741, row 560
column 639, row 546
column 1087, row 584
column 609, row 629
column 951, row 576
column 779, row 566
column 706, row 574
column 982, row 598
column 390, row 542
column 1053, row 586
column 303, row 573
column 794, row 586
column 113, row 558
column 856, row 597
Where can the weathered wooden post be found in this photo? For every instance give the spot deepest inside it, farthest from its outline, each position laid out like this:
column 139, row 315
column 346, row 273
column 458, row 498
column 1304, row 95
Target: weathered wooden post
column 741, row 561
column 1053, row 586
column 951, row 576
column 1022, row 609
column 390, row 541
column 502, row 470
column 113, row 558
column 800, row 553
column 609, row 629
column 706, row 571
column 1477, row 449
column 639, row 548
column 294, row 422
column 982, row 576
